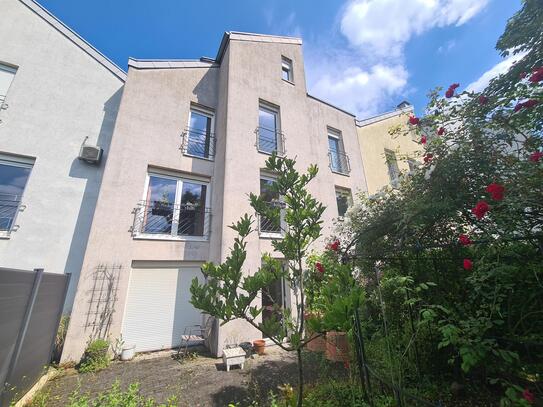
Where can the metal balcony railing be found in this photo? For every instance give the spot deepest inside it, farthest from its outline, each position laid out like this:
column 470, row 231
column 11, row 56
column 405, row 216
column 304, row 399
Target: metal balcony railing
column 339, row 162
column 166, row 219
column 10, row 206
column 198, row 143
column 270, row 140
column 271, row 221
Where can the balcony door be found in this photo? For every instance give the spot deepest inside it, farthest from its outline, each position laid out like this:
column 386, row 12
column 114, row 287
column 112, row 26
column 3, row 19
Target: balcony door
column 268, row 129
column 199, row 141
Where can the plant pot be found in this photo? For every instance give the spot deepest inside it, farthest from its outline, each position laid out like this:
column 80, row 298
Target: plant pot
column 260, row 346
column 128, row 352
column 337, row 346
column 318, row 344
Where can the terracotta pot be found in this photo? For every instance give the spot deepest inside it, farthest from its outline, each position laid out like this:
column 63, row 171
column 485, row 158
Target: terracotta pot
column 260, row 346
column 318, row 344
column 337, row 346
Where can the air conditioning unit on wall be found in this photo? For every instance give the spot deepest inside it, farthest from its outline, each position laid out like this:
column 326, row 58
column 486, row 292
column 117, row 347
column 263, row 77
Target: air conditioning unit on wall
column 90, row 154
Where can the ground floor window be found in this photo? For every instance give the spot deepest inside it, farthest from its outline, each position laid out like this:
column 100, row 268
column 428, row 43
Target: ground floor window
column 274, row 302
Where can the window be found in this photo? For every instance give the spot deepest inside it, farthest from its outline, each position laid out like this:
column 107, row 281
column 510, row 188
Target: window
column 13, row 178
column 339, row 162
column 343, row 200
column 6, row 76
column 286, row 69
column 174, row 207
column 269, row 137
column 271, row 223
column 274, row 304
column 393, row 170
column 413, row 164
column 199, row 140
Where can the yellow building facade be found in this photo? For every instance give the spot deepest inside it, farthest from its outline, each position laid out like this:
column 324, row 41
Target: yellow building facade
column 384, row 156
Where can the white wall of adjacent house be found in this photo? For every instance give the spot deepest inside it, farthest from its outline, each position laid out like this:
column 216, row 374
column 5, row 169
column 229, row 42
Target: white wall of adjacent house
column 56, row 96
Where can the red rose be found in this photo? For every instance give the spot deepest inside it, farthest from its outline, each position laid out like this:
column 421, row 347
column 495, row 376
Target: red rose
column 333, row 246
column 423, row 140
column 319, row 267
column 496, row 191
column 428, row 157
column 441, row 131
column 483, row 100
column 530, row 103
column 468, row 264
column 449, row 93
column 528, row 396
column 537, row 76
column 414, row 120
column 518, row 106
column 454, row 86
column 464, row 240
column 480, row 209
column 536, row 156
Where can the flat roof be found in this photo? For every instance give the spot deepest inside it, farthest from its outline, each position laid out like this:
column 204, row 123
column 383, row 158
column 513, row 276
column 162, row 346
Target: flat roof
column 384, row 116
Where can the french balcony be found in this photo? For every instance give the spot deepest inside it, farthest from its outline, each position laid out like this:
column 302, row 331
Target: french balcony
column 269, row 141
column 164, row 220
column 10, row 206
column 271, row 223
column 198, row 143
column 339, row 162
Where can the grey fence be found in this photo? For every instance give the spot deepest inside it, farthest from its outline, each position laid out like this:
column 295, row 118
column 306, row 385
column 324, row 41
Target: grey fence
column 31, row 305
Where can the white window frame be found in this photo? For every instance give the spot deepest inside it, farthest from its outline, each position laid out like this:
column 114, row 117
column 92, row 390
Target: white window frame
column 282, row 224
column 205, row 112
column 336, row 134
column 178, row 189
column 287, row 65
column 6, row 160
column 275, row 110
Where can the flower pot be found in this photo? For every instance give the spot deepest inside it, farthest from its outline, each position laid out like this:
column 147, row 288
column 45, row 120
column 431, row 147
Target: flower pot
column 260, row 346
column 128, row 352
column 337, row 346
column 318, row 344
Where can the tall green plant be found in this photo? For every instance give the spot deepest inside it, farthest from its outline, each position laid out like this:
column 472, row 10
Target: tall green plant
column 230, row 293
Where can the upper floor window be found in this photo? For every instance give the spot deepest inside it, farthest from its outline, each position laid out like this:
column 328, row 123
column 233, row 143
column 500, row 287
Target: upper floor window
column 286, row 69
column 13, row 178
column 271, row 224
column 174, row 207
column 269, row 136
column 339, row 161
column 392, row 165
column 344, row 200
column 6, row 77
column 199, row 140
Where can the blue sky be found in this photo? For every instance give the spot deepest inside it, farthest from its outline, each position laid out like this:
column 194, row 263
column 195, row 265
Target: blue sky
column 363, row 55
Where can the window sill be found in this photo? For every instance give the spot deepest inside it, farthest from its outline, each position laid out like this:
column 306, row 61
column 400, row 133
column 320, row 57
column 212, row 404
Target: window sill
column 270, row 153
column 345, row 174
column 197, row 156
column 5, row 235
column 169, row 238
column 268, row 235
column 287, row 81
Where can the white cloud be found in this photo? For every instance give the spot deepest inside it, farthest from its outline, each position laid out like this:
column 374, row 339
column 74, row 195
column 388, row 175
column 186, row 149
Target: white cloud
column 372, row 74
column 496, row 70
column 445, row 48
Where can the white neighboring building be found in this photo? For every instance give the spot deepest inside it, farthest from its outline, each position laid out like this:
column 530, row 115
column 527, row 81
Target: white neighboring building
column 56, row 91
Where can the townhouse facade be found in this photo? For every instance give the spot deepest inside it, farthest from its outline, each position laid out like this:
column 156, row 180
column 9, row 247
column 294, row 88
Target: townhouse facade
column 56, row 93
column 189, row 145
column 385, row 156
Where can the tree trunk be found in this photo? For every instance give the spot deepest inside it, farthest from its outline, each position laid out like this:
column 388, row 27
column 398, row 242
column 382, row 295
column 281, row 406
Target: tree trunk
column 300, row 378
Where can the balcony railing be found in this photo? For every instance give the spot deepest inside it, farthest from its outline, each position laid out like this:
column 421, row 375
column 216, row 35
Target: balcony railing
column 271, row 221
column 163, row 219
column 10, row 206
column 198, row 143
column 339, row 162
column 270, row 140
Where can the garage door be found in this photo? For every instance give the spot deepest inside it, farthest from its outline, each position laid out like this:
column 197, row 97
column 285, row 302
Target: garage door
column 157, row 307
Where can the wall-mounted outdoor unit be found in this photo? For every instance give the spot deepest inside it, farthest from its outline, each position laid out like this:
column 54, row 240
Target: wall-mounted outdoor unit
column 90, row 154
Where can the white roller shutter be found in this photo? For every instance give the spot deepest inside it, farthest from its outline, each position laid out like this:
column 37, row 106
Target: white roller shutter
column 157, row 307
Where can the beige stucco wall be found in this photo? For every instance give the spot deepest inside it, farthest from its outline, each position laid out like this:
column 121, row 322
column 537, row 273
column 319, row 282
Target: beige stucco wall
column 154, row 111
column 374, row 138
column 59, row 96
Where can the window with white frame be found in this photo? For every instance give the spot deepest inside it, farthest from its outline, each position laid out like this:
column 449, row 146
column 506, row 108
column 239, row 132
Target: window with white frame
column 269, row 136
column 344, row 200
column 393, row 169
column 339, row 161
column 270, row 224
column 174, row 208
column 199, row 138
column 286, row 69
column 13, row 178
column 6, row 77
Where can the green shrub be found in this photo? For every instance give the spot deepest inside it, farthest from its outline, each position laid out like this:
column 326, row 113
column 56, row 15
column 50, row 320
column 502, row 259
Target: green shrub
column 95, row 357
column 340, row 394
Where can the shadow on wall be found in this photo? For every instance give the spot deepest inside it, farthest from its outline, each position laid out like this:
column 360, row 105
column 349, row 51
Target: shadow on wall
column 93, row 175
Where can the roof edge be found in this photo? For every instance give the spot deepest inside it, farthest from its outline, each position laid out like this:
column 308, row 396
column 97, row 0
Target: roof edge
column 331, row 105
column 384, row 116
column 171, row 63
column 75, row 38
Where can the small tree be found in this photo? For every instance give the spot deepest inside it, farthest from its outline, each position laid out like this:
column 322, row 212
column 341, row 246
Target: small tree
column 230, row 291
